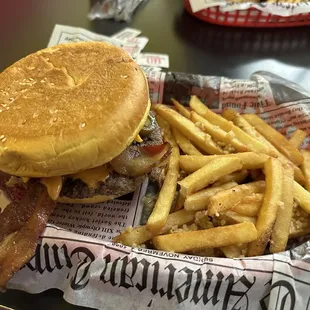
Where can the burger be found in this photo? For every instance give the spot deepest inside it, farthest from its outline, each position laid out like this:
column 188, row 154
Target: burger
column 75, row 127
column 77, row 117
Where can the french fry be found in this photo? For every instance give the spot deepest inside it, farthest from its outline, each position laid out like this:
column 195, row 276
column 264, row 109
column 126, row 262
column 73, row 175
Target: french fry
column 296, row 233
column 231, row 217
column 235, row 251
column 237, row 177
column 217, row 133
column 134, row 236
column 181, row 109
column 252, row 144
column 268, row 213
column 281, row 228
column 301, row 196
column 166, row 196
column 300, row 224
column 180, row 202
column 243, row 124
column 140, row 234
column 185, row 145
column 305, row 167
column 297, row 138
column 250, row 160
column 225, row 200
column 249, row 205
column 240, row 122
column 275, row 138
column 167, row 132
column 178, row 218
column 208, row 174
column 188, row 129
column 199, row 200
column 208, row 238
column 298, row 175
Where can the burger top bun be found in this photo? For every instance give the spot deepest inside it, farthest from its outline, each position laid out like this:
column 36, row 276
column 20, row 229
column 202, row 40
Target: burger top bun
column 68, row 108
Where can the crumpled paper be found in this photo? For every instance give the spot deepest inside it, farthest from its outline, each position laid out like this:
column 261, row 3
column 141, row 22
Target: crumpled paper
column 120, row 10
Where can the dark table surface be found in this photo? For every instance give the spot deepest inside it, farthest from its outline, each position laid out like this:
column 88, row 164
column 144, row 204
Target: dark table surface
column 193, row 46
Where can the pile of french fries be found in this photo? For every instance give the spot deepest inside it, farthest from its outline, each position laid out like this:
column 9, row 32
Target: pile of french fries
column 245, row 190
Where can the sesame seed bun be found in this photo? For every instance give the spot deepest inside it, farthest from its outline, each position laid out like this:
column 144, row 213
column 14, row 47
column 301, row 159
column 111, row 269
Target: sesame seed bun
column 69, row 108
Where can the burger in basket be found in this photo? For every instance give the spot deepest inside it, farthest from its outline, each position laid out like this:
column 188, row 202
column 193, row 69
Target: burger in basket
column 75, row 126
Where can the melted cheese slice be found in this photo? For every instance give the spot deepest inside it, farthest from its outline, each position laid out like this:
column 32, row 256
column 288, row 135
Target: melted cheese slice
column 138, row 139
column 53, row 185
column 92, row 176
column 25, row 179
column 4, row 201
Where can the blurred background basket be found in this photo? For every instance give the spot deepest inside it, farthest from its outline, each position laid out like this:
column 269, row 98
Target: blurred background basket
column 248, row 18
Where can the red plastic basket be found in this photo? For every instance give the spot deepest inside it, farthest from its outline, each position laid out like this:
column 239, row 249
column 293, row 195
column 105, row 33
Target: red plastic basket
column 248, row 18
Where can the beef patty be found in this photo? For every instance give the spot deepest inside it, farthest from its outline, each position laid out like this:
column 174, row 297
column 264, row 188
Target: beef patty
column 116, row 184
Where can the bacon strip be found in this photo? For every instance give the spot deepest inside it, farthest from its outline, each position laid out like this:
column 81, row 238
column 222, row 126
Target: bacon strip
column 18, row 212
column 19, row 241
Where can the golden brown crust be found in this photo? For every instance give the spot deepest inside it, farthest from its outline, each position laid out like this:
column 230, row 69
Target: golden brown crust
column 68, row 108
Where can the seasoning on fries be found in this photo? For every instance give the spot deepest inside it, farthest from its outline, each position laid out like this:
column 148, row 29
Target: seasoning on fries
column 275, row 138
column 297, row 138
column 188, row 129
column 250, row 160
column 268, row 212
column 251, row 143
column 225, row 200
column 200, row 199
column 208, row 174
column 139, row 235
column 243, row 124
column 217, row 133
column 237, row 204
column 281, row 227
column 249, row 205
column 184, row 144
column 209, row 238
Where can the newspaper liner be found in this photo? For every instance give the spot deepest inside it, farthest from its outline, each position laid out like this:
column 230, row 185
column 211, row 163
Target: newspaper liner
column 74, row 253
column 126, row 39
column 281, row 8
